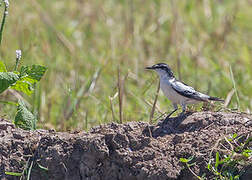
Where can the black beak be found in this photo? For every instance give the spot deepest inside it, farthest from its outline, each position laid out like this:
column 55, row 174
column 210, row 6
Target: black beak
column 149, row 67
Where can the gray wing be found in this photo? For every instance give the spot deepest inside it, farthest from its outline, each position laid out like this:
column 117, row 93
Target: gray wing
column 188, row 91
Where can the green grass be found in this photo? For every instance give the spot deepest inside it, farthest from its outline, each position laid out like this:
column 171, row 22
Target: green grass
column 200, row 40
column 232, row 155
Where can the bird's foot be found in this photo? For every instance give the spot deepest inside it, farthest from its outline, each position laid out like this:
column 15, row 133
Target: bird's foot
column 168, row 117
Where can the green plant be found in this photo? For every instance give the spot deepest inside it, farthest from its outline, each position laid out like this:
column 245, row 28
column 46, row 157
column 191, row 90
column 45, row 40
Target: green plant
column 5, row 13
column 26, row 173
column 188, row 162
column 23, row 80
column 234, row 153
column 24, row 118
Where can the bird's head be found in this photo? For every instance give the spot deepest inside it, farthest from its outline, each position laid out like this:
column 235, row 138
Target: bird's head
column 162, row 69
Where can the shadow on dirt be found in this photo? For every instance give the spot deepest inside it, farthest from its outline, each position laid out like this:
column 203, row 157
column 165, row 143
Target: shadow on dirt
column 176, row 125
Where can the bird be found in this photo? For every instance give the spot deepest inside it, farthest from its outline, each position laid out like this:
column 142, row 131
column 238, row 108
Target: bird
column 178, row 92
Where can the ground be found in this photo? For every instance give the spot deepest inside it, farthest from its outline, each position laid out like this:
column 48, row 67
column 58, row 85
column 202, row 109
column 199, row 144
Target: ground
column 134, row 150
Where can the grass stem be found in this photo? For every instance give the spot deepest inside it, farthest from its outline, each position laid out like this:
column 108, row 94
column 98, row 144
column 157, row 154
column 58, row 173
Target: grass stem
column 154, row 104
column 120, row 94
column 234, row 85
column 5, row 13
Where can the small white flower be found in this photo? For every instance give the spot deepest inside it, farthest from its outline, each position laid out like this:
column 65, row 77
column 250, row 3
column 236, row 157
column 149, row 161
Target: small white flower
column 6, row 2
column 18, row 54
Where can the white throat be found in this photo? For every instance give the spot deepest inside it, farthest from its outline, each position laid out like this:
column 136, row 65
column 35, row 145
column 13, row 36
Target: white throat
column 163, row 74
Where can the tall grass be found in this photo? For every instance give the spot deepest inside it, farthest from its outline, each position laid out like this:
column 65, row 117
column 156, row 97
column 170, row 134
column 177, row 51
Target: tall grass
column 198, row 39
column 5, row 13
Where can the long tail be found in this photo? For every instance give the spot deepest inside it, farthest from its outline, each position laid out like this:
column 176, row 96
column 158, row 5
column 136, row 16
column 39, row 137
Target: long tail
column 215, row 99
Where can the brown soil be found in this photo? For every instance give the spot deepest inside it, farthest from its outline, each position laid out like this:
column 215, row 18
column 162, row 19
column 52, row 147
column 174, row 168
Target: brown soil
column 135, row 150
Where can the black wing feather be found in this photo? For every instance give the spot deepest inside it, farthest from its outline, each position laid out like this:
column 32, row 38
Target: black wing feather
column 186, row 91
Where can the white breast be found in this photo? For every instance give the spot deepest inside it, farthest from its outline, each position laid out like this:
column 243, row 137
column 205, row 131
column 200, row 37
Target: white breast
column 171, row 94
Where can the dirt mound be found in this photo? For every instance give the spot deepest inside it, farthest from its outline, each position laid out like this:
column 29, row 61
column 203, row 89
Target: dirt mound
column 135, row 150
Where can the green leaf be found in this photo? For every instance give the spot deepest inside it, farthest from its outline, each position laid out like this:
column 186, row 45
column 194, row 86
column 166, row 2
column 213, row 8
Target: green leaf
column 248, row 140
column 217, row 160
column 184, row 160
column 29, row 75
column 23, row 71
column 2, row 67
column 36, row 72
column 24, row 118
column 190, row 158
column 247, row 153
column 248, row 150
column 13, row 173
column 192, row 164
column 24, row 85
column 7, row 79
column 209, row 165
column 234, row 135
column 8, row 102
column 42, row 167
column 237, row 177
column 29, row 171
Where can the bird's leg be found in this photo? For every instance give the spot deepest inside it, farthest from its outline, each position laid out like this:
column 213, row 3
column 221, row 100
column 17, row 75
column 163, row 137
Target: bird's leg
column 183, row 109
column 175, row 109
column 181, row 115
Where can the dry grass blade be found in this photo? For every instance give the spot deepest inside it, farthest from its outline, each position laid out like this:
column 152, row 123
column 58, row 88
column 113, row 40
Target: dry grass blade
column 120, row 86
column 154, row 104
column 229, row 97
column 120, row 92
column 234, row 84
column 150, row 104
column 5, row 13
column 231, row 146
column 111, row 105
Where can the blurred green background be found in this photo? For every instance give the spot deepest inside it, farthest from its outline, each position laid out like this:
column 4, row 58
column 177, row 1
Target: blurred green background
column 88, row 45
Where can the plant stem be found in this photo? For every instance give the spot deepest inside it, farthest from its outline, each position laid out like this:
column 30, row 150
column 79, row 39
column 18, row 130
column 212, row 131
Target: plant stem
column 18, row 58
column 198, row 177
column 6, row 5
column 234, row 85
column 8, row 102
column 16, row 65
column 120, row 94
column 154, row 104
